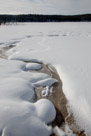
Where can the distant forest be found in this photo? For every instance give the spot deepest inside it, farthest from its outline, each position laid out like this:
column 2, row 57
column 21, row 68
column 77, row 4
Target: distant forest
column 44, row 18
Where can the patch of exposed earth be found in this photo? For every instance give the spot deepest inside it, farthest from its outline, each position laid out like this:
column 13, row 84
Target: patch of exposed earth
column 64, row 120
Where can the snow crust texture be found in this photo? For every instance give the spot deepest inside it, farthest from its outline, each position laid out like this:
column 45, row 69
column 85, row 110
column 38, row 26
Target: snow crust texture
column 67, row 46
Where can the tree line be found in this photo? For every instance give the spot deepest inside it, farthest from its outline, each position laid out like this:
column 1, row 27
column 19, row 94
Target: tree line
column 44, row 18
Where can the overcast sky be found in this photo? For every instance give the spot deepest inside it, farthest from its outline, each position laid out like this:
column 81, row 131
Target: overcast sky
column 45, row 6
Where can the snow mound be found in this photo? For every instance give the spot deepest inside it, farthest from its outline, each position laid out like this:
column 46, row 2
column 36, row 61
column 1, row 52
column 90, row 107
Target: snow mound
column 45, row 110
column 22, row 120
column 33, row 126
column 17, row 88
column 20, row 115
column 33, row 66
column 46, row 82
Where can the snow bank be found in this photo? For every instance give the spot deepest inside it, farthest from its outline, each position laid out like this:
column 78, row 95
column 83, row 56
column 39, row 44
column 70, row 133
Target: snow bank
column 66, row 46
column 19, row 115
column 20, row 119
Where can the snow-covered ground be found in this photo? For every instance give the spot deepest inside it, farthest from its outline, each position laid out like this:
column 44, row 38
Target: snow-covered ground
column 64, row 45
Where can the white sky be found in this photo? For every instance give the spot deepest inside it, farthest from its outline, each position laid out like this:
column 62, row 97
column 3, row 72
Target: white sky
column 45, row 6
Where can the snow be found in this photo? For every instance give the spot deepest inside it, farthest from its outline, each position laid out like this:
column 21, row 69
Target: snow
column 46, row 91
column 46, row 82
column 59, row 132
column 63, row 45
column 48, row 111
column 33, row 66
column 68, row 131
column 20, row 115
column 23, row 127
